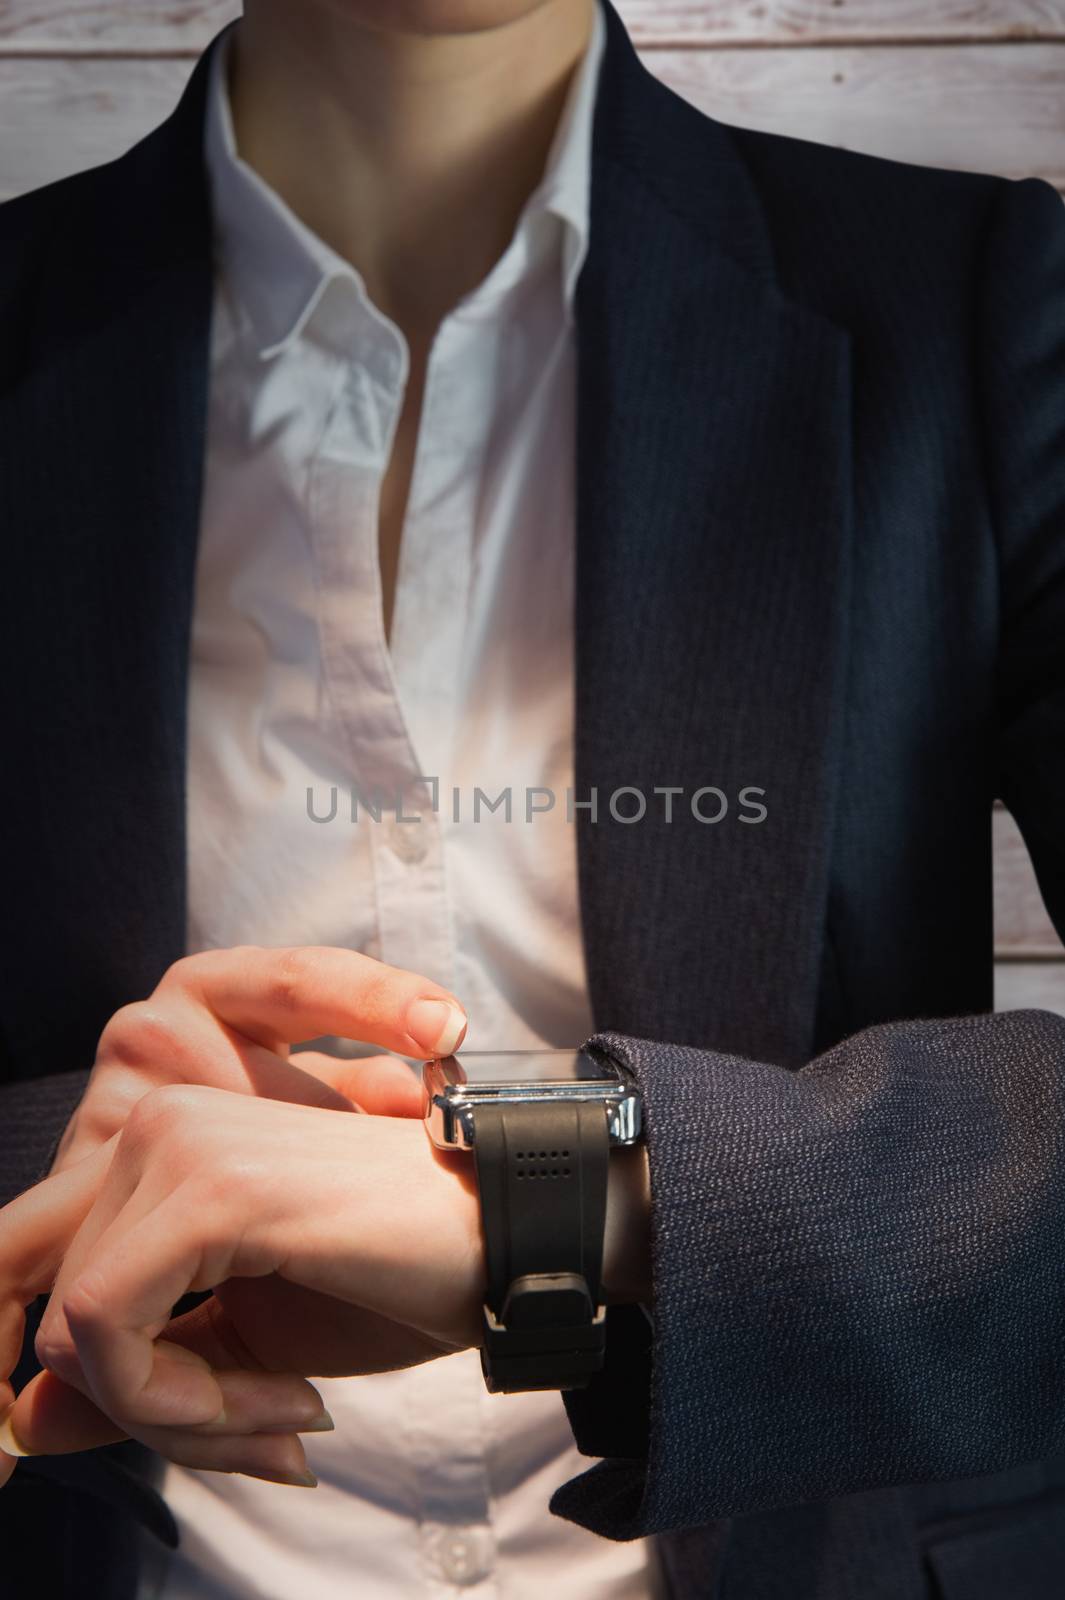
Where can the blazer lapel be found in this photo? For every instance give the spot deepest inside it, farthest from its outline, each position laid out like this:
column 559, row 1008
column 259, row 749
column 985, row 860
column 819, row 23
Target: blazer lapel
column 713, row 526
column 103, row 406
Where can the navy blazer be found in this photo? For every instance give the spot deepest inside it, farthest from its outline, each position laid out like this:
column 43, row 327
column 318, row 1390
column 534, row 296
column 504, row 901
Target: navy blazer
column 821, row 551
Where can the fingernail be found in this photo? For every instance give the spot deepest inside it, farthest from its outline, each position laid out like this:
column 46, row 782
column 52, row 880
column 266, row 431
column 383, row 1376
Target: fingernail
column 9, row 1444
column 437, row 1025
column 298, row 1480
column 322, row 1424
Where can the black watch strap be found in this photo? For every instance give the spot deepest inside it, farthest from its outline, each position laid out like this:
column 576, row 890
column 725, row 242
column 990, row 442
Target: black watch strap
column 542, row 1172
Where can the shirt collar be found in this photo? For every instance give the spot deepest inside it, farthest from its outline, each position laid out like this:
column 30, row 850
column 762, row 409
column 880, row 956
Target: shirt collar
column 277, row 269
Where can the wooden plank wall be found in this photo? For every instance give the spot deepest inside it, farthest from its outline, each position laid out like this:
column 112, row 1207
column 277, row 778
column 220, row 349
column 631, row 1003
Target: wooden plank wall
column 975, row 84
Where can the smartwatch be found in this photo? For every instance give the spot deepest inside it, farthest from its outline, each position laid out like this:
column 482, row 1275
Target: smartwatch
column 539, row 1125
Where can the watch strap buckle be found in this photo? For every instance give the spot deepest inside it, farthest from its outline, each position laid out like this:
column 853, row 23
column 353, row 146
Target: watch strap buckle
column 548, row 1335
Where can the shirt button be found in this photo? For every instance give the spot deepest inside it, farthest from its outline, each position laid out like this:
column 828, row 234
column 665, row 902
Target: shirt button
column 407, row 840
column 462, row 1555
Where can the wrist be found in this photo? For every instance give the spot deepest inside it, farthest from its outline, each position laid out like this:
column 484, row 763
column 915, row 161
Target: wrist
column 565, row 1203
column 458, row 1192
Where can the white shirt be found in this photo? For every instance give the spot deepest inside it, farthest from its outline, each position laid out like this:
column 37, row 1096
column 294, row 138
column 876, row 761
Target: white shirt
column 429, row 1486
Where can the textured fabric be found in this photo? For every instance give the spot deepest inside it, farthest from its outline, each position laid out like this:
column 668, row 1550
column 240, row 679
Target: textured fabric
column 870, row 1250
column 820, row 481
column 32, row 1118
column 995, row 1556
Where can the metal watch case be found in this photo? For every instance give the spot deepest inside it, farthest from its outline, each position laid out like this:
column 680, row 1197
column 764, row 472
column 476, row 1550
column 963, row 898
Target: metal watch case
column 450, row 1100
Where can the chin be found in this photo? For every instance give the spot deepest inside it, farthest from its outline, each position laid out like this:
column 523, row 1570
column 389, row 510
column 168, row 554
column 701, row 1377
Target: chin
column 438, row 16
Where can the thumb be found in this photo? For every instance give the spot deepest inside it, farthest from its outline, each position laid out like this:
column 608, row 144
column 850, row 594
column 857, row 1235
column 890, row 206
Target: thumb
column 383, row 1086
column 51, row 1418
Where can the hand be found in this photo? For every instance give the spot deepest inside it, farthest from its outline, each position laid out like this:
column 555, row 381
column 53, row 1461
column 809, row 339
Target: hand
column 270, row 1324
column 206, row 1188
column 224, row 1018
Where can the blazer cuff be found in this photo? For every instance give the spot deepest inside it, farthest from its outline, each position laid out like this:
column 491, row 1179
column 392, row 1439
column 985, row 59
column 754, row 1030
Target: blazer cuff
column 856, row 1270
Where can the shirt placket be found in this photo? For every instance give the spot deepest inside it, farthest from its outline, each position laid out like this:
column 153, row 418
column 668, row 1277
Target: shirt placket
column 444, row 1426
column 343, row 496
column 388, row 705
column 428, row 635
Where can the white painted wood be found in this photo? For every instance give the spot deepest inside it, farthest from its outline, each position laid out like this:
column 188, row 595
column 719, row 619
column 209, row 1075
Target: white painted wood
column 705, row 22
column 1023, row 984
column 70, row 26
column 60, row 116
column 74, row 26
column 987, row 108
column 994, row 108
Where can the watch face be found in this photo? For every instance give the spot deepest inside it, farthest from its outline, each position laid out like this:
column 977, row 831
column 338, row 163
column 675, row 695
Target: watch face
column 484, row 1068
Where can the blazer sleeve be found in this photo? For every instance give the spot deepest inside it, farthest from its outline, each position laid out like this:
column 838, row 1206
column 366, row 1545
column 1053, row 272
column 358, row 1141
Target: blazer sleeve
column 33, row 1115
column 859, row 1267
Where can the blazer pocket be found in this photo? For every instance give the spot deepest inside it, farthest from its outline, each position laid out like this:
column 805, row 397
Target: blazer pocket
column 1013, row 1553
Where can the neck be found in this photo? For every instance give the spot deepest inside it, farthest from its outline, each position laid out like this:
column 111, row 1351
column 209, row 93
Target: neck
column 410, row 154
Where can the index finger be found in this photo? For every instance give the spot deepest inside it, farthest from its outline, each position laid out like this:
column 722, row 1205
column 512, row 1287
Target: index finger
column 35, row 1230
column 297, row 992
